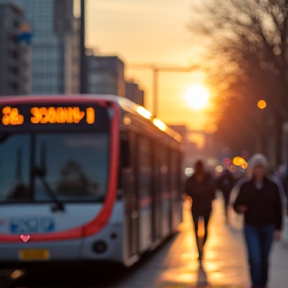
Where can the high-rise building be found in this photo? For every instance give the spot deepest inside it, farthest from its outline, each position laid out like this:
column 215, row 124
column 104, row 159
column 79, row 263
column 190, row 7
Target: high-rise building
column 14, row 52
column 72, row 83
column 55, row 46
column 133, row 93
column 105, row 75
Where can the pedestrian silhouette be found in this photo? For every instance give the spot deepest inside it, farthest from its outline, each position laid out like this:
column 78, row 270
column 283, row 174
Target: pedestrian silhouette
column 260, row 201
column 201, row 188
column 225, row 184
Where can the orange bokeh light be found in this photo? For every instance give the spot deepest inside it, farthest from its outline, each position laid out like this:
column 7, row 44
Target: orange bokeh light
column 262, row 104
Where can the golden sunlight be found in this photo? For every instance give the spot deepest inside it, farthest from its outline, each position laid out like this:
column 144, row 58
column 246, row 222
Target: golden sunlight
column 197, row 97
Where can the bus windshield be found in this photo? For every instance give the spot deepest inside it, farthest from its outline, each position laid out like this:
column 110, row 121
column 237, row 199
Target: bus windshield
column 74, row 165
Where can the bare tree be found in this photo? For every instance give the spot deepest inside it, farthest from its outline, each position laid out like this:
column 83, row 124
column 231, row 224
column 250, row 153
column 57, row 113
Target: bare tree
column 246, row 41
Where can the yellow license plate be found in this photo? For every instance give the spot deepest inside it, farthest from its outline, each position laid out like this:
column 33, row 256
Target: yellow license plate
column 34, row 254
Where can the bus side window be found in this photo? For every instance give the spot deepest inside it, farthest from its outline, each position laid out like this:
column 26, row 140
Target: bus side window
column 125, row 158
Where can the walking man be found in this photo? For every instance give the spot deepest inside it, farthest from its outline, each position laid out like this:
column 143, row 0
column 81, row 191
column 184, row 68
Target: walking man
column 200, row 187
column 259, row 199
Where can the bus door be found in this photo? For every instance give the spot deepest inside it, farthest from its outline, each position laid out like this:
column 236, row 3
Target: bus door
column 156, row 194
column 131, row 199
column 144, row 183
column 165, row 193
column 175, row 190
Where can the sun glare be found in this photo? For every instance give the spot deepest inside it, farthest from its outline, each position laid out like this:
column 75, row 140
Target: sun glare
column 197, row 97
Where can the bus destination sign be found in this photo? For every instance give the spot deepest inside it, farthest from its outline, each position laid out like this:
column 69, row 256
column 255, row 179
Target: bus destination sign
column 48, row 115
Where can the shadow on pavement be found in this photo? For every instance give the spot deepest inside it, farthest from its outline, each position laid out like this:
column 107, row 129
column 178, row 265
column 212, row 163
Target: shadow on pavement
column 202, row 281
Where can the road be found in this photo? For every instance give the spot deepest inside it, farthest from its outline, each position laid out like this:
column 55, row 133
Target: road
column 174, row 264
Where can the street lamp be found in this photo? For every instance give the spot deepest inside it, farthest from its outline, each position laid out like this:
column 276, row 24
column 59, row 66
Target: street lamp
column 156, row 69
column 83, row 70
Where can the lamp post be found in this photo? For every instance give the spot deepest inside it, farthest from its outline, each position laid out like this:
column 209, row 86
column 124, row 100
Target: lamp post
column 83, row 70
column 156, row 69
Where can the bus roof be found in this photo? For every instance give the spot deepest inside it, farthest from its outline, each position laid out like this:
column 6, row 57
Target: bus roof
column 123, row 102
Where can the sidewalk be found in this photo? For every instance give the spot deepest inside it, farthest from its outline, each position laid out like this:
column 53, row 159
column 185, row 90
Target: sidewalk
column 224, row 257
column 175, row 265
column 225, row 261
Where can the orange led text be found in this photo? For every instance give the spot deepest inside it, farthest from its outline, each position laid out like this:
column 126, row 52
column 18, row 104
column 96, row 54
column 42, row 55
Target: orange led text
column 11, row 116
column 62, row 115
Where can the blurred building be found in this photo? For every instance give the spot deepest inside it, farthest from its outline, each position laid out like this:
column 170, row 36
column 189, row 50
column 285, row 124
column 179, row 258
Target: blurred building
column 105, row 75
column 73, row 79
column 14, row 51
column 55, row 47
column 133, row 93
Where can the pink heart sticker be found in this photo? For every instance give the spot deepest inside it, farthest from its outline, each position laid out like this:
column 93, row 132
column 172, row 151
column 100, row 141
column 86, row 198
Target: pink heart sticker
column 25, row 237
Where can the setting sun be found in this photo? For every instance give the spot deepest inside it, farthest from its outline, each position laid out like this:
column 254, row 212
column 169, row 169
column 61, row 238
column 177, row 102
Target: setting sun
column 197, row 97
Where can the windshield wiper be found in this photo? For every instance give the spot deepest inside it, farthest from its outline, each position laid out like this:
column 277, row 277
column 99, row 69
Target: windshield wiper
column 59, row 206
column 41, row 173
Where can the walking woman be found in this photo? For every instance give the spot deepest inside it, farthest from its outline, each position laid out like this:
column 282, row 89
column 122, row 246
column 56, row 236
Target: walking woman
column 259, row 199
column 201, row 188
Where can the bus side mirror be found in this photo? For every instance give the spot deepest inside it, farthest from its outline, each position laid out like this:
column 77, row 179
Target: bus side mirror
column 125, row 153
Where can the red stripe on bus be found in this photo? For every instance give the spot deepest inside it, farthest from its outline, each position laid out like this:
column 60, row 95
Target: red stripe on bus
column 102, row 218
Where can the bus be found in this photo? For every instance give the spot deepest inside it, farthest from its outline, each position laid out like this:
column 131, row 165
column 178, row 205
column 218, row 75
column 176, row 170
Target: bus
column 85, row 178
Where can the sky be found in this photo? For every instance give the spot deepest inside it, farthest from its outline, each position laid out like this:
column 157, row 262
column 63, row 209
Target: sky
column 145, row 32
